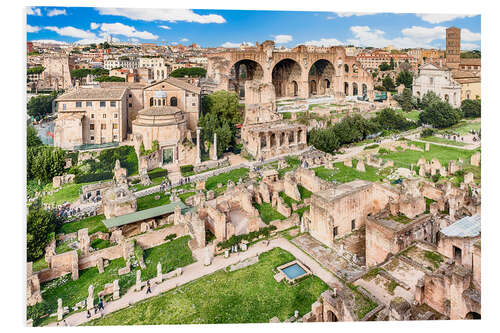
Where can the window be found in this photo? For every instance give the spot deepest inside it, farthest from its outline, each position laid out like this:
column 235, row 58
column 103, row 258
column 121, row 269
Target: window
column 173, row 101
column 353, row 224
column 78, row 104
column 103, row 126
column 88, row 103
column 92, row 116
column 129, row 95
column 91, row 127
column 335, row 231
column 115, row 137
column 113, row 104
column 194, row 104
column 102, row 104
column 457, row 254
column 115, row 126
column 64, row 106
column 91, row 138
column 115, row 115
column 129, row 105
column 104, row 115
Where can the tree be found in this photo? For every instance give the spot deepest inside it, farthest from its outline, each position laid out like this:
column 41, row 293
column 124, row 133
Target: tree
column 44, row 162
column 384, row 67
column 32, row 139
column 471, row 108
column 389, row 119
column 41, row 227
column 406, row 100
column 220, row 115
column 406, row 78
column 35, row 70
column 105, row 78
column 80, row 73
column 324, row 140
column 41, row 105
column 391, row 64
column 190, row 72
column 440, row 115
column 388, row 83
column 428, row 99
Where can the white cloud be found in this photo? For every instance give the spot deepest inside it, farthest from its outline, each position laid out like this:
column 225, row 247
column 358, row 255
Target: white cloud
column 235, row 45
column 55, row 12
column 349, row 14
column 33, row 11
column 165, row 27
column 94, row 26
column 30, row 28
column 174, row 43
column 330, row 17
column 282, row 39
column 72, row 32
column 171, row 15
column 125, row 30
column 134, row 40
column 324, row 42
column 87, row 41
column 49, row 41
column 469, row 46
column 470, row 36
column 439, row 18
column 184, row 39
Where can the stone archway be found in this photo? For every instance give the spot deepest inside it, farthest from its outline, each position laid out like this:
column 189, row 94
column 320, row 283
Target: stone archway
column 322, row 73
column 346, row 88
column 355, row 89
column 331, row 317
column 312, row 86
column 242, row 71
column 364, row 90
column 295, row 88
column 284, row 74
column 472, row 315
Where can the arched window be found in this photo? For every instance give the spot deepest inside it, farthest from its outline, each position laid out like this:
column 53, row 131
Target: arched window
column 327, row 83
column 173, row 101
column 151, row 101
column 346, row 68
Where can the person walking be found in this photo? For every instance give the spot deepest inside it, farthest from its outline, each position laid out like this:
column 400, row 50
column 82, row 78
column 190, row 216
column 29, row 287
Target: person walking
column 148, row 291
column 88, row 314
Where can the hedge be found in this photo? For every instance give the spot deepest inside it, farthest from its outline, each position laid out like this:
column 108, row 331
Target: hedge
column 93, row 177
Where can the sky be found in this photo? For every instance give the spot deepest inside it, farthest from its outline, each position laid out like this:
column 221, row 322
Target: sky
column 231, row 28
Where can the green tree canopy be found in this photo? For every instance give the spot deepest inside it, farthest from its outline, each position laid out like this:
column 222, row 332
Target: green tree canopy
column 35, row 70
column 384, row 67
column 32, row 139
column 406, row 100
column 190, row 72
column 44, row 162
column 471, row 108
column 41, row 105
column 429, row 98
column 406, row 78
column 105, row 78
column 41, row 227
column 440, row 115
column 388, row 83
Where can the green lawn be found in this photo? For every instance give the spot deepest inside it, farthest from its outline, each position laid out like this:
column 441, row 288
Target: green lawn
column 94, row 223
column 443, row 154
column 186, row 195
column 172, row 255
column 149, row 201
column 68, row 193
column 412, row 115
column 40, row 264
column 438, row 139
column 248, row 295
column 463, row 127
column 64, row 246
column 287, row 199
column 293, row 163
column 223, row 178
column 268, row 213
column 99, row 244
column 346, row 174
column 304, row 192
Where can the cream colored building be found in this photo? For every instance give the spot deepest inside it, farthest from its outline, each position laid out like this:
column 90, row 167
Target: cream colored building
column 91, row 116
column 438, row 80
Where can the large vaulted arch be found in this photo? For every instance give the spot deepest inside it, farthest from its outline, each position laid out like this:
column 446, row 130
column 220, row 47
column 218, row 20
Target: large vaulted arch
column 242, row 71
column 322, row 74
column 286, row 73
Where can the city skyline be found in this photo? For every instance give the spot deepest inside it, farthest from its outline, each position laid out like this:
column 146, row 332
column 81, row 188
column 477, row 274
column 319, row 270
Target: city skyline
column 229, row 28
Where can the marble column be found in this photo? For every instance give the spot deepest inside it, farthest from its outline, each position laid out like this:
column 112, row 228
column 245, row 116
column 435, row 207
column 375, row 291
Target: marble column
column 214, row 157
column 198, row 151
column 268, row 141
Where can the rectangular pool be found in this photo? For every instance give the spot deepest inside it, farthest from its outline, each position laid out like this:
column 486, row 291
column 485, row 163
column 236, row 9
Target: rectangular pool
column 293, row 271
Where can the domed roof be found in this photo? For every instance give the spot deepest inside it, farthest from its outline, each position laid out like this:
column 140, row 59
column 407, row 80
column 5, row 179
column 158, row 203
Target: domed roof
column 159, row 111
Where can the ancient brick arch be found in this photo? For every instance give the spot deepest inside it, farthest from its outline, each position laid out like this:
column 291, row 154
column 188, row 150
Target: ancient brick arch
column 291, row 83
column 241, row 71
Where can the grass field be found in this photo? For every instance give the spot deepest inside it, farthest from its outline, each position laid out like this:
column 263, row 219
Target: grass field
column 149, row 201
column 68, row 193
column 443, row 154
column 172, row 255
column 463, row 127
column 268, row 213
column 346, row 174
column 412, row 115
column 94, row 223
column 248, row 295
column 223, row 178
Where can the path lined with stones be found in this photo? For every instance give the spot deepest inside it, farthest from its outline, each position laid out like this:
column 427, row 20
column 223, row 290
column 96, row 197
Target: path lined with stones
column 198, row 270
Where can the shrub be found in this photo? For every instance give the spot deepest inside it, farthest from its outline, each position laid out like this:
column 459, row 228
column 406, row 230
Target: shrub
column 93, row 177
column 186, row 168
column 170, row 237
column 427, row 132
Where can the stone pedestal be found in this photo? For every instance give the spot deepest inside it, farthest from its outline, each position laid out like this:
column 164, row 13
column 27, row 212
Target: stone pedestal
column 116, row 290
column 60, row 310
column 198, row 151
column 90, row 298
column 214, row 157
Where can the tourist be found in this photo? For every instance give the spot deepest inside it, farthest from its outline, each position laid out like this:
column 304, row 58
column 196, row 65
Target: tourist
column 88, row 314
column 148, row 291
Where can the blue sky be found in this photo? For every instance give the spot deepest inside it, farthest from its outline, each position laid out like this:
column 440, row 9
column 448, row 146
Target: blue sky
column 230, row 28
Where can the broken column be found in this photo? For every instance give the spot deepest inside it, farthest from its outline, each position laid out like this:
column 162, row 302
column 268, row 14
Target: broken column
column 469, row 178
column 100, row 265
column 159, row 275
column 214, row 157
column 90, row 298
column 360, row 166
column 116, row 290
column 60, row 310
column 198, row 151
column 84, row 239
column 138, row 283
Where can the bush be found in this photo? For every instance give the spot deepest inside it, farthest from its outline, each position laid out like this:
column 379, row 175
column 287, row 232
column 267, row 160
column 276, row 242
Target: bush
column 427, row 132
column 170, row 237
column 41, row 227
column 471, row 108
column 157, row 173
column 93, row 177
column 186, row 168
column 36, row 311
column 440, row 115
column 248, row 237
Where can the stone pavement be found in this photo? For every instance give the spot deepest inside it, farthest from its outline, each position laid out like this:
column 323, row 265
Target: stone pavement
column 198, row 269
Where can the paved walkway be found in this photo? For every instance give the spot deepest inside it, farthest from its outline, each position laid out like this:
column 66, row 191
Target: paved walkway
column 198, row 269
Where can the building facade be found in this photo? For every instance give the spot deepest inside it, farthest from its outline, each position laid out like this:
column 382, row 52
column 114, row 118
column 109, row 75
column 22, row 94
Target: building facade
column 438, row 80
column 453, row 47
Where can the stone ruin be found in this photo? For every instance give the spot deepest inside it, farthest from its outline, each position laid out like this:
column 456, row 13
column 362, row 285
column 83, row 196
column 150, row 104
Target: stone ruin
column 145, row 180
column 59, row 181
column 84, row 241
column 33, row 293
column 475, row 160
column 119, row 199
